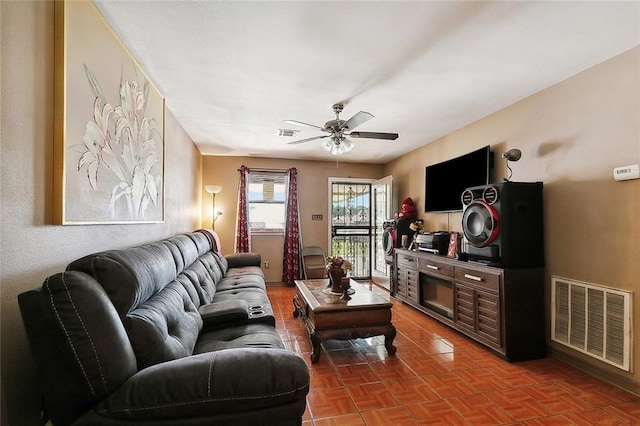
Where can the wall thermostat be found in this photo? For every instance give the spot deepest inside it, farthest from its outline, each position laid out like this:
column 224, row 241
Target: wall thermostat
column 627, row 172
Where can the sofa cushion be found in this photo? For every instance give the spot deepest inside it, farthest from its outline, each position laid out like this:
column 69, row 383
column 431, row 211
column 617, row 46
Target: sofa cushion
column 165, row 327
column 184, row 250
column 245, row 271
column 241, row 336
column 218, row 388
column 212, row 265
column 130, row 276
column 203, row 276
column 237, row 282
column 222, row 261
column 191, row 289
column 205, row 241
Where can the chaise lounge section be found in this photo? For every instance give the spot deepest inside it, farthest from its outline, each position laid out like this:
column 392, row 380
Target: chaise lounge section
column 165, row 333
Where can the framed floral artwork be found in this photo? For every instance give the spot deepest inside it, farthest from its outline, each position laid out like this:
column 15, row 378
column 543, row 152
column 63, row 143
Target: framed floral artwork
column 108, row 126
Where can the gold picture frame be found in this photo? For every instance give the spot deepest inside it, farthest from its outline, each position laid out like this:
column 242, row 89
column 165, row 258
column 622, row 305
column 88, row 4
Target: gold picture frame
column 108, row 126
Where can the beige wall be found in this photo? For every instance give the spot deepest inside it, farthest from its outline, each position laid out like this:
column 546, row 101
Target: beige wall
column 31, row 249
column 312, row 199
column 571, row 135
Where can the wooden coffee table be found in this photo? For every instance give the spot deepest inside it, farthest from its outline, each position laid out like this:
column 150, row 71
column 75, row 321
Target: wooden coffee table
column 326, row 316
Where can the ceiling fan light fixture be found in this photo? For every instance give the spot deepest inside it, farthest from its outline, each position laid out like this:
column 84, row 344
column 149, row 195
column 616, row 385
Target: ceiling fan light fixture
column 337, row 129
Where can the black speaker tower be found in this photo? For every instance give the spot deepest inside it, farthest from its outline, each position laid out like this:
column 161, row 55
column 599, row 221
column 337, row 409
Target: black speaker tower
column 502, row 223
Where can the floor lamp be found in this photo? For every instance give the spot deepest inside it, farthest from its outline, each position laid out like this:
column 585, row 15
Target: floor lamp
column 213, row 190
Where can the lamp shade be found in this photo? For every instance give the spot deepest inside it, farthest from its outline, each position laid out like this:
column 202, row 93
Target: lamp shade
column 213, row 189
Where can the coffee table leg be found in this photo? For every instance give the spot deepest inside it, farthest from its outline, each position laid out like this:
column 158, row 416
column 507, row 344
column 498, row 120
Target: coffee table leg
column 388, row 339
column 315, row 347
column 296, row 311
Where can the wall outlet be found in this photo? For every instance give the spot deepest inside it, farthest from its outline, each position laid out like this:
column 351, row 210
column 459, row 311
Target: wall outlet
column 266, row 264
column 627, row 172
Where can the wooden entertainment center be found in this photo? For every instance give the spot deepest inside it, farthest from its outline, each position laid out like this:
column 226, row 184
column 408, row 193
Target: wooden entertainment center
column 503, row 309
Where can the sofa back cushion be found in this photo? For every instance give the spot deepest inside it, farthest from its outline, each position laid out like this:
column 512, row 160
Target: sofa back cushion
column 202, row 241
column 204, row 274
column 183, row 249
column 156, row 302
column 130, row 276
column 165, row 327
column 81, row 348
column 222, row 262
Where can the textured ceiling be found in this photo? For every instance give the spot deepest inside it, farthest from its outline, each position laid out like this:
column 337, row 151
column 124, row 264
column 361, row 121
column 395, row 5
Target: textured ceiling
column 232, row 71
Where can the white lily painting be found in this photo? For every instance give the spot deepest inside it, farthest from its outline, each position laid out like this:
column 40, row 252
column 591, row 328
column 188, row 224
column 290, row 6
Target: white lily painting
column 123, row 142
column 109, row 117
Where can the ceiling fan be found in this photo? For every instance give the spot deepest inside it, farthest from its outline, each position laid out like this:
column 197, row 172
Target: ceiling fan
column 337, row 130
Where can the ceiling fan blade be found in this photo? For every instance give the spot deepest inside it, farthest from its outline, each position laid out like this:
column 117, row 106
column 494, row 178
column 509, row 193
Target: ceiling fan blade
column 374, row 135
column 356, row 120
column 300, row 123
column 307, row 140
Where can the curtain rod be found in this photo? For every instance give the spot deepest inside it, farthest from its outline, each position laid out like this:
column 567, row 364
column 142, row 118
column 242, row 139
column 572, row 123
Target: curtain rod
column 260, row 169
column 252, row 169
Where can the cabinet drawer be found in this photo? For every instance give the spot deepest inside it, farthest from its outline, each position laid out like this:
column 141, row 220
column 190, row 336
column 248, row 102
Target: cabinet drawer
column 464, row 309
column 412, row 293
column 401, row 287
column 488, row 316
column 407, row 260
column 412, row 277
column 435, row 267
column 478, row 278
column 464, row 313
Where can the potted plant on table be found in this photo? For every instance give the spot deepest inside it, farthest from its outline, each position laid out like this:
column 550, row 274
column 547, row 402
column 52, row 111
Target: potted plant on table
column 337, row 268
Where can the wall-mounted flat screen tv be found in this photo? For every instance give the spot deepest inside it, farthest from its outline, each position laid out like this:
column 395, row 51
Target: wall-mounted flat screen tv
column 445, row 181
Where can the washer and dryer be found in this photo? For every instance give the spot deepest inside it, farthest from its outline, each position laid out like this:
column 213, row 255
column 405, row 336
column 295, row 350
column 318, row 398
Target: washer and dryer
column 389, row 240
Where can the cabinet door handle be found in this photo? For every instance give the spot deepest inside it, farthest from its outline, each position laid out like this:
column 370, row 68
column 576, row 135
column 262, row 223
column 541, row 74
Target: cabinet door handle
column 435, row 268
column 473, row 277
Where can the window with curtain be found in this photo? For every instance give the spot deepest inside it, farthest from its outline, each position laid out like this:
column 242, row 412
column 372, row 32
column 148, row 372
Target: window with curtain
column 266, row 198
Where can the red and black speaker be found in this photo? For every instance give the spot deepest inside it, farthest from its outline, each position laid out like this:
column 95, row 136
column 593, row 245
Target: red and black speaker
column 502, row 223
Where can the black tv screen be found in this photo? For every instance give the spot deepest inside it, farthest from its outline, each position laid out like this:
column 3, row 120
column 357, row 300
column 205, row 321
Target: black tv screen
column 445, row 182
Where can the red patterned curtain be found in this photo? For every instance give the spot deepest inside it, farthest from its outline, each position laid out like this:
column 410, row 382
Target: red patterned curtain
column 291, row 261
column 243, row 242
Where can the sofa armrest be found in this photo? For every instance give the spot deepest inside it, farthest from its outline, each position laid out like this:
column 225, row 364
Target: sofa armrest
column 244, row 259
column 208, row 384
column 222, row 313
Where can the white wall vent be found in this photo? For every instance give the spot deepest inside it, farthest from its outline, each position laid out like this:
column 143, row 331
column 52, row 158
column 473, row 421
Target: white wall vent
column 286, row 132
column 592, row 319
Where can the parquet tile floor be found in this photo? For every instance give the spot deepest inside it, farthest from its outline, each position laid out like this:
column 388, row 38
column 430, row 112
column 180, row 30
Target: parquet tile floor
column 439, row 377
